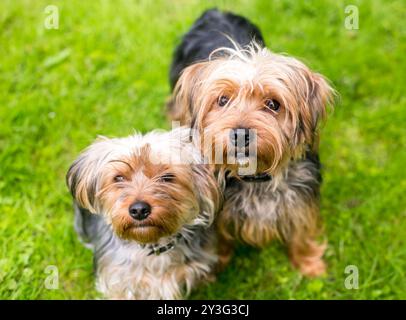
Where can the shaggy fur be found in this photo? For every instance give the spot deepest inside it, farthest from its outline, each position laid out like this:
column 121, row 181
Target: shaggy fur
column 165, row 254
column 277, row 101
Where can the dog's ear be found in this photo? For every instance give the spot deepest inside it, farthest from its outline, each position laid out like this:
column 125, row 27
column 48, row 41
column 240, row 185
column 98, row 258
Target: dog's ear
column 181, row 105
column 207, row 190
column 313, row 109
column 83, row 177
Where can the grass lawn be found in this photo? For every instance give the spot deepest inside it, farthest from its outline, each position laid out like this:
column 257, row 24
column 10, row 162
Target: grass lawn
column 105, row 71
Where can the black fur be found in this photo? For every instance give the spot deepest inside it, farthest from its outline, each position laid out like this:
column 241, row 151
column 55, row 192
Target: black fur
column 93, row 231
column 87, row 224
column 209, row 33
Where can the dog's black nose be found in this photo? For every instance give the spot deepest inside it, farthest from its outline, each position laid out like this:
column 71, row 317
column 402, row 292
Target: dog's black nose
column 240, row 137
column 139, row 210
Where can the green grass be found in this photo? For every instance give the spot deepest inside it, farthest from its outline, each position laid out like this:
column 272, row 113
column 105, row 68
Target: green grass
column 105, row 72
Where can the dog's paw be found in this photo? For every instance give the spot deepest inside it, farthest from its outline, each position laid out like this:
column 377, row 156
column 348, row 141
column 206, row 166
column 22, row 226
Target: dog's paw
column 312, row 267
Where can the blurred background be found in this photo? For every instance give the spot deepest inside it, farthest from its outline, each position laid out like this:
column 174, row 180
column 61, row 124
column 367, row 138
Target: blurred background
column 104, row 71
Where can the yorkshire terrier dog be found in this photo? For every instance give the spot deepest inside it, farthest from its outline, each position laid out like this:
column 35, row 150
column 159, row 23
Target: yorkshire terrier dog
column 145, row 205
column 230, row 88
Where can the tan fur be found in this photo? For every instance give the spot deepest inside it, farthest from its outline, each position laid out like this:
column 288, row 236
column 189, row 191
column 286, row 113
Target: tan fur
column 248, row 77
column 185, row 205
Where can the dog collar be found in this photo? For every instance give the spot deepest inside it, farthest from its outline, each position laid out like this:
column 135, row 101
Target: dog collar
column 156, row 249
column 261, row 177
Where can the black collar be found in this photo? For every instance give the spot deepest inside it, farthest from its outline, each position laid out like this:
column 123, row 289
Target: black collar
column 261, row 177
column 156, row 249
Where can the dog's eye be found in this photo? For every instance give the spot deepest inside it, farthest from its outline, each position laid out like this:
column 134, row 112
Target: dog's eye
column 272, row 104
column 168, row 177
column 119, row 178
column 223, row 100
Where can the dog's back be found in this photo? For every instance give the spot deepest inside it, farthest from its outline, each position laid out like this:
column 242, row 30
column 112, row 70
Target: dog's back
column 209, row 33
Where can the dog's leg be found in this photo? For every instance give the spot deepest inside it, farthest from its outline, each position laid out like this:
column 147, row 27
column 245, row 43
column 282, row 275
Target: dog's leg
column 257, row 234
column 233, row 225
column 225, row 238
column 225, row 249
column 304, row 251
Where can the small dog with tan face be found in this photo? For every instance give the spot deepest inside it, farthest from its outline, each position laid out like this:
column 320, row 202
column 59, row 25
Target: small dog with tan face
column 145, row 205
column 232, row 89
